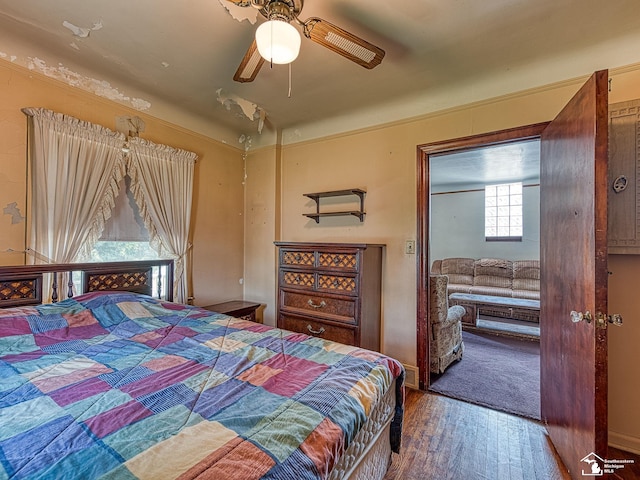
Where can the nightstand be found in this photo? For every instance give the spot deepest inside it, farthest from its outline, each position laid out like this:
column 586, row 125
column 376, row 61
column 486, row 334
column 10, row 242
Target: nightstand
column 236, row 308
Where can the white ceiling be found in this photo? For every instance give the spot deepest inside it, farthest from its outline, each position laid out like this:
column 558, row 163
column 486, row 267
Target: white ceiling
column 175, row 59
column 477, row 167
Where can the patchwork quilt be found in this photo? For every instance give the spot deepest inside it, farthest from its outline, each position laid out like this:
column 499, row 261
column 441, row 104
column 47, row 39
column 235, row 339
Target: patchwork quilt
column 124, row 386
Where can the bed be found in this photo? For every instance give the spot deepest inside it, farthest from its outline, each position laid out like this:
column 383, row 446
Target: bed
column 114, row 383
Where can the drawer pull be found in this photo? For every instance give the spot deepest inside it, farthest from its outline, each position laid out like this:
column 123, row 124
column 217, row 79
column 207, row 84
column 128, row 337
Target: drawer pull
column 315, row 305
column 315, row 332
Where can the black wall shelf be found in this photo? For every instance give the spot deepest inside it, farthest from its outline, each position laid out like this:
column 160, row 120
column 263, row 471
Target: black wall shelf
column 336, row 193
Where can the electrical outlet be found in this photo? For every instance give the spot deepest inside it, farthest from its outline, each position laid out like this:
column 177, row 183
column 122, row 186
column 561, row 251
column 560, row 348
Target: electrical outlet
column 410, row 247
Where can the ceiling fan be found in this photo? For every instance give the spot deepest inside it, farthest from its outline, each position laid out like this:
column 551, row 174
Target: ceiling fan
column 280, row 14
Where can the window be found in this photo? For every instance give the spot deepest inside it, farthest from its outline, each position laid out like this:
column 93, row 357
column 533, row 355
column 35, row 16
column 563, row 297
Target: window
column 124, row 236
column 121, row 250
column 503, row 212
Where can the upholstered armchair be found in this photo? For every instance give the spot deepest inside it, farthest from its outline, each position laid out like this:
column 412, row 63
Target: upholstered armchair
column 445, row 325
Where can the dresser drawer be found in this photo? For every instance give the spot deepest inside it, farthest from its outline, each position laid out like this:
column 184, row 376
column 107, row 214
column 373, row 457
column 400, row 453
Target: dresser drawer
column 298, row 279
column 341, row 284
column 336, row 309
column 321, row 282
column 338, row 260
column 321, row 259
column 299, row 258
column 318, row 329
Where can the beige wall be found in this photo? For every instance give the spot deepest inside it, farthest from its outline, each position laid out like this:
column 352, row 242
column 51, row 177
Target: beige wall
column 218, row 191
column 383, row 162
column 261, row 220
column 624, row 354
column 457, row 227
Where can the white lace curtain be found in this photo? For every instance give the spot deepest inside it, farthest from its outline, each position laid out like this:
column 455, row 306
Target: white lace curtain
column 162, row 185
column 75, row 170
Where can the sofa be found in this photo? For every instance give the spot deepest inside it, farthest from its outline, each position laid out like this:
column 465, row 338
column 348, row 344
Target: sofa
column 495, row 277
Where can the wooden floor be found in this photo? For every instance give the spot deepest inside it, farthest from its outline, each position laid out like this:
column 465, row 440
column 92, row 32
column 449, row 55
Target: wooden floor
column 445, row 438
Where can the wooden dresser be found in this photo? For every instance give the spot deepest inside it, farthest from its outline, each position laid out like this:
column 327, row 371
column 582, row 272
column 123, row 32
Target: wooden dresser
column 331, row 291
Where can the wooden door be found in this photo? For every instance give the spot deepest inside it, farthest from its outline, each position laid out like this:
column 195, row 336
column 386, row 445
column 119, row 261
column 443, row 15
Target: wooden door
column 573, row 212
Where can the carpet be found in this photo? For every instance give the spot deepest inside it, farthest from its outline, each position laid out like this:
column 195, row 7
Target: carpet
column 496, row 371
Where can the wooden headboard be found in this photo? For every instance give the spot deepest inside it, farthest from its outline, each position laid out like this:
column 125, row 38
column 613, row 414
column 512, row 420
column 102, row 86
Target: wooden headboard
column 22, row 285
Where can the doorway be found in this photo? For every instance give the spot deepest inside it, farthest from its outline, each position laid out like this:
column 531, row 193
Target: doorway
column 573, row 262
column 425, row 156
column 485, row 214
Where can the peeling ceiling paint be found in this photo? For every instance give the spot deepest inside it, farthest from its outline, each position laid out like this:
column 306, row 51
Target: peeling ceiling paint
column 11, row 57
column 80, row 31
column 246, row 141
column 240, row 13
column 249, row 109
column 425, row 69
column 101, row 88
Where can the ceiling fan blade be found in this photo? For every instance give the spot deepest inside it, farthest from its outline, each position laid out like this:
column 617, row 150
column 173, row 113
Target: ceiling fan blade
column 340, row 41
column 250, row 65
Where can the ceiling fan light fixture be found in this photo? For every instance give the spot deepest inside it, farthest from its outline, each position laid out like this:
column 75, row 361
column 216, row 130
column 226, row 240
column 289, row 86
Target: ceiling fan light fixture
column 278, row 41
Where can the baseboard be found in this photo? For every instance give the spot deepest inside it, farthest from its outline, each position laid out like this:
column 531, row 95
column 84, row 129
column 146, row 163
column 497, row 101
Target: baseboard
column 624, row 442
column 411, row 378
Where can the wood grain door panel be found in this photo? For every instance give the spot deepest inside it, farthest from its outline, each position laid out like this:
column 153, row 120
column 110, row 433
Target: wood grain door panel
column 573, row 212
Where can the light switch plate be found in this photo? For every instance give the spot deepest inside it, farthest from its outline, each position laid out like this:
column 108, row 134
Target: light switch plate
column 410, row 247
